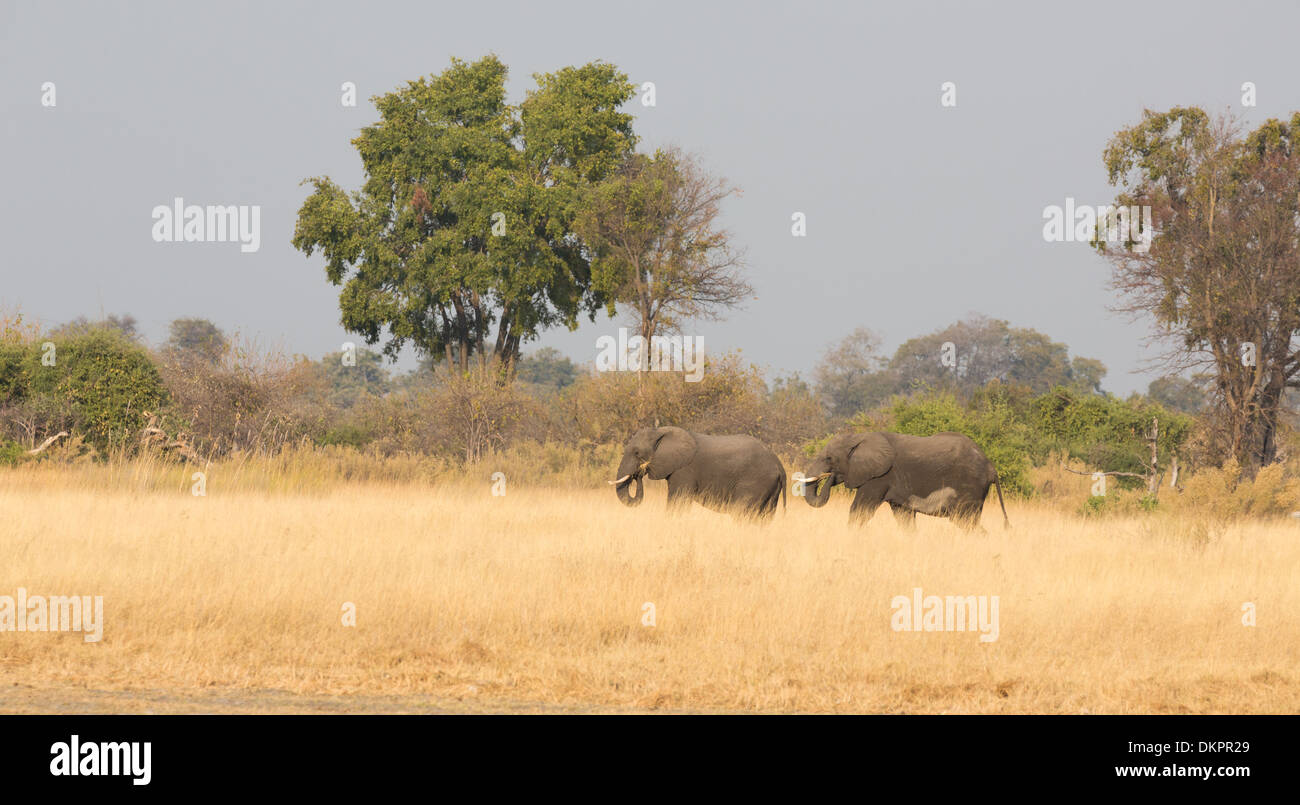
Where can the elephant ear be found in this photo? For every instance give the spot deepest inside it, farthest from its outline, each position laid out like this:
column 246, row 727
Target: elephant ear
column 871, row 457
column 673, row 450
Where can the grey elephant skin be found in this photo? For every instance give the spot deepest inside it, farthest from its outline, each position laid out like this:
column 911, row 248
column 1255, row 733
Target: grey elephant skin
column 735, row 474
column 945, row 475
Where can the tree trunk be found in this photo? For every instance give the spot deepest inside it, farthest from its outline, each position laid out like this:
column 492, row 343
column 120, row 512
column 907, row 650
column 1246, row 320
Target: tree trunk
column 1153, row 481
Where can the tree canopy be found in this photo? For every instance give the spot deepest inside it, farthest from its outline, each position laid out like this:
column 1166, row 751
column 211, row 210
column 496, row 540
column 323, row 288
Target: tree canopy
column 196, row 339
column 657, row 245
column 465, row 219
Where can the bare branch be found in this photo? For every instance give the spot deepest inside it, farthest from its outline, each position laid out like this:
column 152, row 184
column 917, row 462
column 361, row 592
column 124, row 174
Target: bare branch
column 61, row 434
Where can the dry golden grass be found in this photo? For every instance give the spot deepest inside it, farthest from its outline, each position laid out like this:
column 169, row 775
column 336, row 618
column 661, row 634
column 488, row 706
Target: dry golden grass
column 534, row 601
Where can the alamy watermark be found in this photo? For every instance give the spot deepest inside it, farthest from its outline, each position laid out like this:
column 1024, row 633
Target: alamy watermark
column 214, row 223
column 77, row 758
column 663, row 353
column 951, row 613
column 1083, row 224
column 55, row 613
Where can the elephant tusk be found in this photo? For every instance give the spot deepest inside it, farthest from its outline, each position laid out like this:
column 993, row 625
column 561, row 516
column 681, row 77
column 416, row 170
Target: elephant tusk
column 620, row 480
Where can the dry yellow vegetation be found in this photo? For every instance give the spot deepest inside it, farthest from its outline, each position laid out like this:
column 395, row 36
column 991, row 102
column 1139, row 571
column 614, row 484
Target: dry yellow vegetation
column 235, row 601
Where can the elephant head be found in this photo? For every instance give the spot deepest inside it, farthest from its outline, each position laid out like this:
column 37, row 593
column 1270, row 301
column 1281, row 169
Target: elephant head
column 851, row 459
column 653, row 452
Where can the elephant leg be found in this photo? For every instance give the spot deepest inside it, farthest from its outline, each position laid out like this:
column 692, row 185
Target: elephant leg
column 905, row 517
column 967, row 518
column 679, row 496
column 865, row 503
column 773, row 498
column 761, row 509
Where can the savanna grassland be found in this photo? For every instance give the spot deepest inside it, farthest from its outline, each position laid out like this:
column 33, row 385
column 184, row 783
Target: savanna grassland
column 535, row 601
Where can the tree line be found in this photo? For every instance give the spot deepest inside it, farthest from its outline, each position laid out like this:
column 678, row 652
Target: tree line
column 204, row 395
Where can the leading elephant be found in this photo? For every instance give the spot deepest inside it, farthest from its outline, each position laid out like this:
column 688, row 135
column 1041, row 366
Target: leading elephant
column 945, row 475
column 724, row 473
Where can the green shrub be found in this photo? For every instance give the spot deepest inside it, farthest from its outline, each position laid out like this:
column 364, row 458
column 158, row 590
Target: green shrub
column 1094, row 505
column 101, row 385
column 347, row 434
column 10, row 452
column 1107, row 433
column 1119, row 502
column 14, row 358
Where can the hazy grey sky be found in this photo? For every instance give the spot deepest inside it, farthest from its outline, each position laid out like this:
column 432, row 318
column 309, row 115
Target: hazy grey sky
column 917, row 214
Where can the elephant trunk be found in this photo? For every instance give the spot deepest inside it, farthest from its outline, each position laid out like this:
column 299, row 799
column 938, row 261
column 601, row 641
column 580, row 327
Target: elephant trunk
column 629, row 470
column 625, row 497
column 819, row 498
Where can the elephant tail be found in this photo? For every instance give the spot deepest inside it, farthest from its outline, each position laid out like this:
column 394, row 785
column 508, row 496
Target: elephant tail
column 1005, row 521
column 783, row 491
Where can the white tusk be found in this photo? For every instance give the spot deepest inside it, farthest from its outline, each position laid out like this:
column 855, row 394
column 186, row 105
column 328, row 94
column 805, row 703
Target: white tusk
column 620, row 480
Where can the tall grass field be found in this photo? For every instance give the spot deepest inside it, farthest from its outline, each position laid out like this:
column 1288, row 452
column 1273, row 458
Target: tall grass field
column 273, row 592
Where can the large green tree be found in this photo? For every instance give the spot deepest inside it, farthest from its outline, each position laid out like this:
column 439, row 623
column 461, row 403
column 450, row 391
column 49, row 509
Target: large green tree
column 465, row 220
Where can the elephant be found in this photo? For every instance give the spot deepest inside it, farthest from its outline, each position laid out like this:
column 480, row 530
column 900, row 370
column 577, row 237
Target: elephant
column 945, row 475
column 736, row 474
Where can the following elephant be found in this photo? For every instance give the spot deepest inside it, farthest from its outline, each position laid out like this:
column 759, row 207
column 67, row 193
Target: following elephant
column 945, row 475
column 724, row 473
